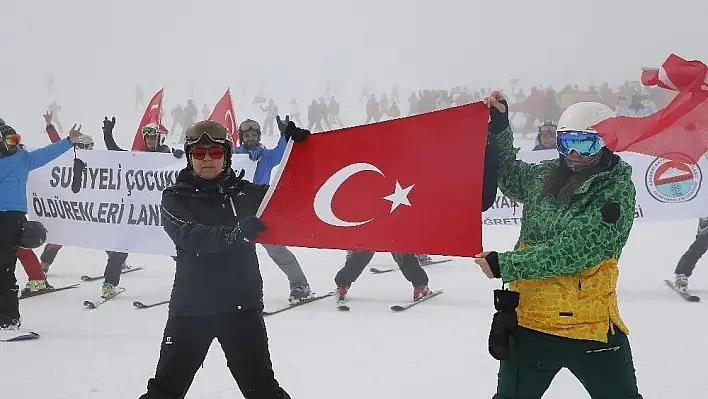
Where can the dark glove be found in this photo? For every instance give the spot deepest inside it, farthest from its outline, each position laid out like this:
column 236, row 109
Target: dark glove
column 504, row 323
column 249, row 227
column 108, row 125
column 282, row 124
column 289, row 130
column 79, row 166
column 177, row 153
column 498, row 121
column 33, row 235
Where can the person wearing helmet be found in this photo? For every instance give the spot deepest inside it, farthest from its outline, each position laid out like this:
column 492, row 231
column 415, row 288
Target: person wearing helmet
column 209, row 213
column 15, row 165
column 249, row 137
column 561, row 308
column 546, row 137
column 153, row 141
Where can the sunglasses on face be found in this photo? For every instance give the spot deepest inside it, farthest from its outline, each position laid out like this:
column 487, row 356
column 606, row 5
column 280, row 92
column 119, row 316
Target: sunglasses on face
column 83, row 146
column 11, row 139
column 199, row 153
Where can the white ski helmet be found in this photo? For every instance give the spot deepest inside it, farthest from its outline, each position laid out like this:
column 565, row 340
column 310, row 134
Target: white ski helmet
column 583, row 116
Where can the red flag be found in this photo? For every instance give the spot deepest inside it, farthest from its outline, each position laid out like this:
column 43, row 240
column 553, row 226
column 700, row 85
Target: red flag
column 153, row 114
column 411, row 185
column 224, row 113
column 680, row 130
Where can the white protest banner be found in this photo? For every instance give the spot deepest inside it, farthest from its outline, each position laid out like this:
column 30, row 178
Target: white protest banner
column 666, row 190
column 118, row 206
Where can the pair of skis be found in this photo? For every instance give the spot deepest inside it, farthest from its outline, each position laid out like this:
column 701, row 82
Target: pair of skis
column 343, row 305
column 683, row 294
column 423, row 264
column 84, row 278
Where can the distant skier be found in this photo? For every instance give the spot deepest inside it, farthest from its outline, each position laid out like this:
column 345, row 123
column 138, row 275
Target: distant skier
column 15, row 165
column 271, row 111
column 687, row 263
column 249, row 137
column 139, row 97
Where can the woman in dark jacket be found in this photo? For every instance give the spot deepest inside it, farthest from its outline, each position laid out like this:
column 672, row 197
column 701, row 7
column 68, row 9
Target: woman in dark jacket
column 218, row 289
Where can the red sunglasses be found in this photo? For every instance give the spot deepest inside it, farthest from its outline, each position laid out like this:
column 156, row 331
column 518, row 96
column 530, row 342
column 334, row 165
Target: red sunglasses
column 216, row 152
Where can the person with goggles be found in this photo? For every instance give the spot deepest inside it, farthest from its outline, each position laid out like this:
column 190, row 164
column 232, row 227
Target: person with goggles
column 209, row 213
column 15, row 165
column 546, row 137
column 153, row 141
column 561, row 308
column 249, row 137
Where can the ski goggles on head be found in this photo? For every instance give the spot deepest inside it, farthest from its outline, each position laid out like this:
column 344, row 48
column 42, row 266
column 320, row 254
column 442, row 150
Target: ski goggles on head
column 583, row 142
column 215, row 152
column 547, row 130
column 249, row 125
column 11, row 140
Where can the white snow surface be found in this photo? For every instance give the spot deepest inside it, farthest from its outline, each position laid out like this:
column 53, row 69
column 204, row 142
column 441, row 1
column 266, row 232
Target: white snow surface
column 437, row 349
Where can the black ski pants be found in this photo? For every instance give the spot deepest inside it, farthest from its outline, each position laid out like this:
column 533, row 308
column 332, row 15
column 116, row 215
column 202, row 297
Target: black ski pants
column 113, row 269
column 697, row 249
column 357, row 260
column 244, row 340
column 10, row 233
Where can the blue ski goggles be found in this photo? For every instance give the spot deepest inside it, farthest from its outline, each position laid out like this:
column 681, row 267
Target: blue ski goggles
column 584, row 143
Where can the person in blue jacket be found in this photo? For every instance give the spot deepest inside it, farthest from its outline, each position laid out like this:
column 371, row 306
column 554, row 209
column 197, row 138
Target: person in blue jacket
column 15, row 165
column 249, row 139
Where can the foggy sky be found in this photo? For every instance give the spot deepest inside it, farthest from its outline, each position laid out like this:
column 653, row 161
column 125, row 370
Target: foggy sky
column 101, row 49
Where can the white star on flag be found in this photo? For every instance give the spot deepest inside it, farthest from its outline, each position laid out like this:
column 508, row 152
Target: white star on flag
column 399, row 196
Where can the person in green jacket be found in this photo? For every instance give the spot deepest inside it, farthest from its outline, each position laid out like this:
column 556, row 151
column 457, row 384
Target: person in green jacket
column 561, row 308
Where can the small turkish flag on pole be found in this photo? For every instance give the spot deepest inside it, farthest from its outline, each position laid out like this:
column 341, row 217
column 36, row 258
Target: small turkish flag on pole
column 153, row 114
column 224, row 113
column 411, row 185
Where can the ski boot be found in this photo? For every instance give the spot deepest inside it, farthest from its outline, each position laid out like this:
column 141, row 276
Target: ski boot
column 10, row 324
column 681, row 282
column 420, row 291
column 36, row 285
column 342, row 293
column 300, row 293
column 423, row 259
column 108, row 290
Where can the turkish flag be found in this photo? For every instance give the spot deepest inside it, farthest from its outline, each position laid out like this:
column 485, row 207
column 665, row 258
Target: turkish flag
column 411, row 185
column 679, row 131
column 224, row 113
column 152, row 114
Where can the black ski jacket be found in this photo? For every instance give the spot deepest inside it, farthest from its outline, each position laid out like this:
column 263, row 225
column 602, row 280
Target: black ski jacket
column 216, row 269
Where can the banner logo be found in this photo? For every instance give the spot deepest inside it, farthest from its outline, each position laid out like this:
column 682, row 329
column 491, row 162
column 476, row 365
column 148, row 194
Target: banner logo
column 672, row 181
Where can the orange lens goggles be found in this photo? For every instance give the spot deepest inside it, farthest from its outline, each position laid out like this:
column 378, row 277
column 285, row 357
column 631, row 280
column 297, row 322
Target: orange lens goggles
column 11, row 139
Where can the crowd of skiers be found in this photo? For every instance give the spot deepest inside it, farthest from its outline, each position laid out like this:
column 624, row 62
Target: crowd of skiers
column 542, row 323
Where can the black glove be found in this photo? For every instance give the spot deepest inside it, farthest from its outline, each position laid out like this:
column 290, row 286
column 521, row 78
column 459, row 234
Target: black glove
column 79, row 166
column 33, row 235
column 289, row 130
column 249, row 227
column 177, row 153
column 498, row 121
column 108, row 125
column 282, row 124
column 504, row 323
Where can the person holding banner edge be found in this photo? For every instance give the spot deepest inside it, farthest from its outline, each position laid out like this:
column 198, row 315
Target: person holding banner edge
column 249, row 137
column 561, row 310
column 15, row 165
column 209, row 213
column 153, row 138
